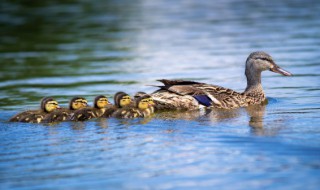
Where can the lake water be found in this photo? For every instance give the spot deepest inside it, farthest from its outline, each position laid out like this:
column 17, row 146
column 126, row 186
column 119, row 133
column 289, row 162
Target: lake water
column 88, row 48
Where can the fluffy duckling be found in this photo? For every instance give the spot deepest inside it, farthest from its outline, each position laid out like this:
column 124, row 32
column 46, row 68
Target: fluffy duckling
column 47, row 106
column 121, row 100
column 18, row 116
column 100, row 104
column 65, row 114
column 144, row 107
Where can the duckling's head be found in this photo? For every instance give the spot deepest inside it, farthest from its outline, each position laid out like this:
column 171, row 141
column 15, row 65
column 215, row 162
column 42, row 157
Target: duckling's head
column 49, row 104
column 101, row 102
column 144, row 102
column 260, row 61
column 122, row 99
column 139, row 94
column 77, row 103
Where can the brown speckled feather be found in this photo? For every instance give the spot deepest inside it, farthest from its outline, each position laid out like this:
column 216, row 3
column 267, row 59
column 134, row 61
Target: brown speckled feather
column 21, row 115
column 87, row 113
column 130, row 112
column 63, row 114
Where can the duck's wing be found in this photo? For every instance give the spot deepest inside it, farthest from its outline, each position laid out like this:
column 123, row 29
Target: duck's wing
column 222, row 97
column 206, row 94
column 191, row 88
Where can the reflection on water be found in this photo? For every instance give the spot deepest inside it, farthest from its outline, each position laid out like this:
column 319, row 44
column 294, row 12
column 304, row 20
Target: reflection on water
column 87, row 48
column 255, row 113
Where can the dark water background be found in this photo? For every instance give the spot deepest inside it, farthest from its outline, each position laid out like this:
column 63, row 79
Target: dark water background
column 87, row 48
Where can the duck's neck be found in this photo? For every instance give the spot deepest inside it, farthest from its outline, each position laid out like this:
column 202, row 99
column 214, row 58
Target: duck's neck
column 253, row 82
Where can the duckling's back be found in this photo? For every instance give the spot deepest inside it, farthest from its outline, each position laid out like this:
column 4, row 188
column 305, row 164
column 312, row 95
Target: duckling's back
column 63, row 114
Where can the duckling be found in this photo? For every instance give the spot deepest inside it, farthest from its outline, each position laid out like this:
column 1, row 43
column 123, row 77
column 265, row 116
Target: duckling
column 121, row 100
column 144, row 107
column 100, row 104
column 190, row 95
column 18, row 116
column 48, row 105
column 65, row 114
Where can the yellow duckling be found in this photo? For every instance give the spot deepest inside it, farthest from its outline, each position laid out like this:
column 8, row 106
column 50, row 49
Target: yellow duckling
column 121, row 100
column 65, row 114
column 100, row 104
column 47, row 106
column 144, row 107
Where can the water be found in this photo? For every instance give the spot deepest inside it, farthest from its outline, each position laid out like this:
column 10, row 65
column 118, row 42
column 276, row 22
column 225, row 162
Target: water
column 68, row 48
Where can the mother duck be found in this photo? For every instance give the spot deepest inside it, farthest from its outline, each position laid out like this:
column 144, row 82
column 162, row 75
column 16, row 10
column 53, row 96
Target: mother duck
column 190, row 95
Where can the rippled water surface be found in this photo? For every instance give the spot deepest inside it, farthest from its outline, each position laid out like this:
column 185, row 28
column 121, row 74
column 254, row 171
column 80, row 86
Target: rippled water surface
column 88, row 48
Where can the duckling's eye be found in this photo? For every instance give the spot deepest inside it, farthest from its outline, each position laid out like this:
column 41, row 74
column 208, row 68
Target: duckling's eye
column 53, row 103
column 264, row 59
column 126, row 97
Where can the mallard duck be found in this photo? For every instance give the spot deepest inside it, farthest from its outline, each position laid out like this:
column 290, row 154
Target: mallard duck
column 143, row 108
column 47, row 106
column 189, row 95
column 100, row 104
column 65, row 114
column 121, row 100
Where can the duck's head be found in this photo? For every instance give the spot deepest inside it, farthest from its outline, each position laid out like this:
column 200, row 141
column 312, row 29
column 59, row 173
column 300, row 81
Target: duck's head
column 77, row 103
column 260, row 61
column 122, row 99
column 49, row 104
column 101, row 102
column 144, row 102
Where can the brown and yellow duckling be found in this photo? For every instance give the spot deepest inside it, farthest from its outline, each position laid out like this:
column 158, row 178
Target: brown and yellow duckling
column 65, row 114
column 18, row 116
column 121, row 100
column 47, row 106
column 100, row 105
column 144, row 107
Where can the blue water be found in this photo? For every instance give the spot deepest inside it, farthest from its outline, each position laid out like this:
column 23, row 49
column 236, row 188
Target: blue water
column 68, row 48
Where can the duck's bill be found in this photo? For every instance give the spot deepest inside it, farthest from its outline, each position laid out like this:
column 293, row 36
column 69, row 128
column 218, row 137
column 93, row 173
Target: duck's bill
column 281, row 71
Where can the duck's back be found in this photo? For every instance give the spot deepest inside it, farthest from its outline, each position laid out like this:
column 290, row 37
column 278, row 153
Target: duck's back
column 176, row 94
